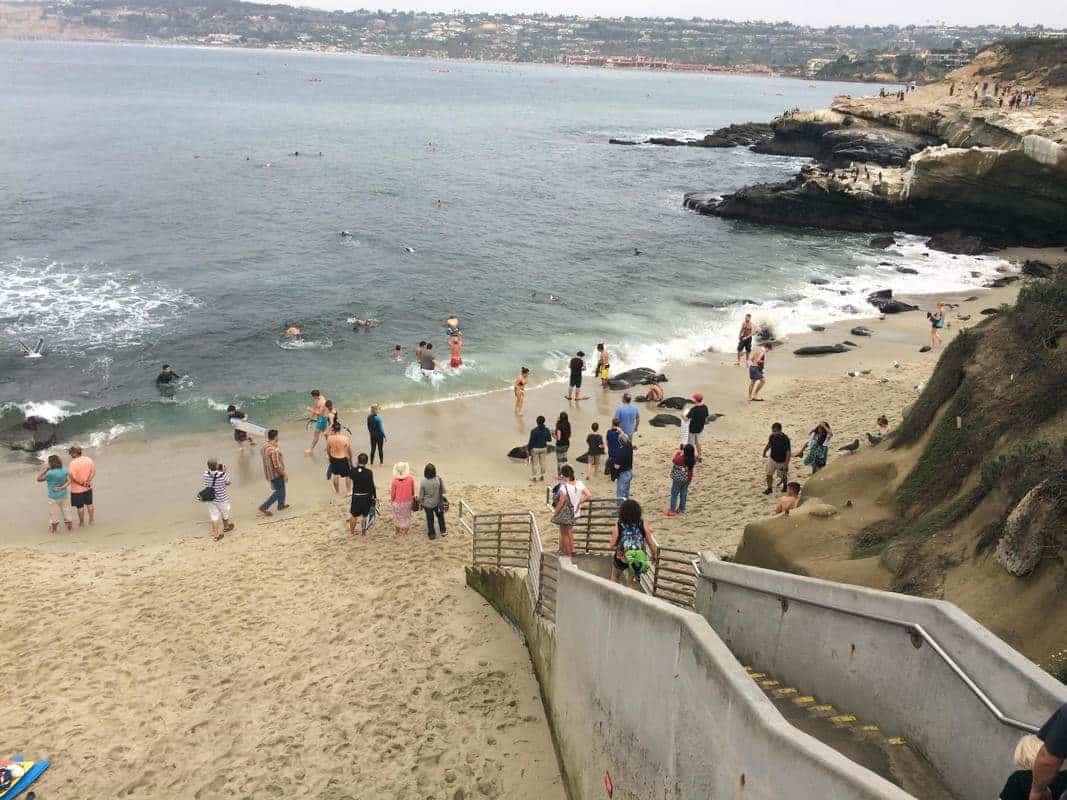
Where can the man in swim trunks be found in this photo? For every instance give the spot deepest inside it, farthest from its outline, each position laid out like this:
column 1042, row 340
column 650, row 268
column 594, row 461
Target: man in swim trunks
column 339, row 449
column 577, row 367
column 603, row 365
column 82, row 473
column 455, row 349
column 419, row 351
column 744, row 339
column 318, row 412
column 755, row 371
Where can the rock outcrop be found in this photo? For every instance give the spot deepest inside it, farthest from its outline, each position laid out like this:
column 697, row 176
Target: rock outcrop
column 739, row 135
column 974, row 177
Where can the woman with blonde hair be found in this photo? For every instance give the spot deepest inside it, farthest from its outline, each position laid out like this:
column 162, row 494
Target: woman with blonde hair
column 402, row 492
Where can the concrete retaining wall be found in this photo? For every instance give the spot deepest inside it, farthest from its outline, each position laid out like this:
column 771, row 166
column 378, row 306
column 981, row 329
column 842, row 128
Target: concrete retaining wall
column 646, row 692
column 876, row 671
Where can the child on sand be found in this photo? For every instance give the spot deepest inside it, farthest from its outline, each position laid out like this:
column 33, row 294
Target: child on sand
column 791, row 499
column 595, row 443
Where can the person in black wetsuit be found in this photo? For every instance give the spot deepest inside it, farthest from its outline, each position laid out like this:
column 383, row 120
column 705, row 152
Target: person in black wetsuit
column 377, row 433
column 167, row 379
column 364, row 496
column 577, row 367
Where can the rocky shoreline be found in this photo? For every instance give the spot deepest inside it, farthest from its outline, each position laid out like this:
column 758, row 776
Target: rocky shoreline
column 967, row 173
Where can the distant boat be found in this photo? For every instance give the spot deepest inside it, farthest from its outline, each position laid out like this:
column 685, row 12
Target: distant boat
column 314, row 80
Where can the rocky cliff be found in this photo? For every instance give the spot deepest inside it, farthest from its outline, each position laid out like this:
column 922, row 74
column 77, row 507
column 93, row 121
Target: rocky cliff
column 967, row 500
column 937, row 161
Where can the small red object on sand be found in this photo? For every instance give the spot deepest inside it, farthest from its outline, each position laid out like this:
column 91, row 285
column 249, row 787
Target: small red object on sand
column 608, row 785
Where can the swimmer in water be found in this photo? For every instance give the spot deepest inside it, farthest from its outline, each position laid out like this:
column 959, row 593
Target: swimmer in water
column 292, row 330
column 397, row 353
column 357, row 324
column 455, row 350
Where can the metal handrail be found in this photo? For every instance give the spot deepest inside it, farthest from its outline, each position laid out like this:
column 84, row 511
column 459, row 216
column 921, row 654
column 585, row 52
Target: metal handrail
column 911, row 627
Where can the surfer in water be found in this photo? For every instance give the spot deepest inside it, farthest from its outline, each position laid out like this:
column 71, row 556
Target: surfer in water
column 239, row 436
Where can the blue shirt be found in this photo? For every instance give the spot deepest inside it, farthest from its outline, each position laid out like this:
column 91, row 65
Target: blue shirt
column 56, row 478
column 613, row 442
column 539, row 438
column 627, row 415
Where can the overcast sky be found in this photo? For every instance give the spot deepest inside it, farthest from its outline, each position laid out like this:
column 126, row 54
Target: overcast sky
column 1052, row 13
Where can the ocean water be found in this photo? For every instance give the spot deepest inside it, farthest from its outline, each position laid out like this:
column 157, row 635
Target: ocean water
column 153, row 209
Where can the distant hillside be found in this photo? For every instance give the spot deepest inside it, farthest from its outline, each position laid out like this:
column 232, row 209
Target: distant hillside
column 882, row 69
column 1030, row 61
column 968, row 500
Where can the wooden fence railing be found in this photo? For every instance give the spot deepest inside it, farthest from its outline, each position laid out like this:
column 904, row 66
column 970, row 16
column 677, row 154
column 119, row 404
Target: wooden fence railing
column 514, row 540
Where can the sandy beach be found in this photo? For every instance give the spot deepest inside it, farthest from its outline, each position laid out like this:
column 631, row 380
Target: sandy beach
column 149, row 661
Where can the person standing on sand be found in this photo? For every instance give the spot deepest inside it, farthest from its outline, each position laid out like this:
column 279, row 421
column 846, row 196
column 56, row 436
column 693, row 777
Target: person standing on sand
column 58, row 480
column 777, row 451
column 568, row 508
column 318, row 413
column 744, row 339
column 364, row 497
column 455, row 350
column 274, row 472
column 339, row 451
column 520, row 390
column 614, row 432
column 433, row 501
column 755, row 371
column 595, row 444
column 817, row 447
column 628, row 415
column 218, row 508
column 623, row 467
column 937, row 323
column 577, row 367
column 402, row 493
column 682, row 465
column 376, row 429
column 603, row 365
column 536, row 447
column 562, row 436
column 82, row 472
column 630, row 539
column 698, row 417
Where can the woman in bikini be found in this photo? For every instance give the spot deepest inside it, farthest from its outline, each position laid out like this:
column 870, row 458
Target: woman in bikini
column 520, row 389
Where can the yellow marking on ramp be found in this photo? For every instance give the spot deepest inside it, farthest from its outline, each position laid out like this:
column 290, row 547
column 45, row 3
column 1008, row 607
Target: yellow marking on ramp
column 843, row 719
column 784, row 692
column 806, row 700
column 869, row 728
column 768, row 684
column 757, row 675
column 896, row 740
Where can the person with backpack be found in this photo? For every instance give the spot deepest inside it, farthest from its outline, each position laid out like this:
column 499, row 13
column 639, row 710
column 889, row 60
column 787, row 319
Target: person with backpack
column 632, row 542
column 682, row 466
column 572, row 493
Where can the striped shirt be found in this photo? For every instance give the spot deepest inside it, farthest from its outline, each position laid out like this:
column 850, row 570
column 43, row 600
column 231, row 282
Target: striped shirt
column 218, row 479
column 273, row 463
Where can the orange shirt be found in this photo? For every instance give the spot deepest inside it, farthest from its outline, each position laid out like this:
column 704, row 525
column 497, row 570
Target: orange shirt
column 82, row 473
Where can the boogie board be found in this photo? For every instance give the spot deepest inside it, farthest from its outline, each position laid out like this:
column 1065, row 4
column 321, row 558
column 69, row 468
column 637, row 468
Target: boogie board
column 22, row 775
column 249, row 427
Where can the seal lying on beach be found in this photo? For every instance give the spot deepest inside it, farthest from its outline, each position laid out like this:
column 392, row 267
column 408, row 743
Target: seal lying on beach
column 820, row 350
column 663, row 420
column 677, row 403
column 633, row 377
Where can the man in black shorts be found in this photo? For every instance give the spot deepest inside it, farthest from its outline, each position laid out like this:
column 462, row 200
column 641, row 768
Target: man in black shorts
column 577, row 366
column 744, row 339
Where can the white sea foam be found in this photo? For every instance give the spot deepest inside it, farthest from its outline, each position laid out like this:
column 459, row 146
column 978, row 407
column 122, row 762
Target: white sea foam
column 300, row 343
column 79, row 307
column 842, row 297
column 101, row 438
column 51, row 410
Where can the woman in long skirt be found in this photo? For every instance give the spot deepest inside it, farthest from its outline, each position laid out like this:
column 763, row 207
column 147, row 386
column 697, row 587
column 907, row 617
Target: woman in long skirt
column 402, row 492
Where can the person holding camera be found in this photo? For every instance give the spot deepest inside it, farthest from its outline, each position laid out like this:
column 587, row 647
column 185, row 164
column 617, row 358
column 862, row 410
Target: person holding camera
column 217, row 496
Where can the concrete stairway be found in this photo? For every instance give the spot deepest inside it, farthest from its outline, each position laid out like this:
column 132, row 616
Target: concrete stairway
column 892, row 758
